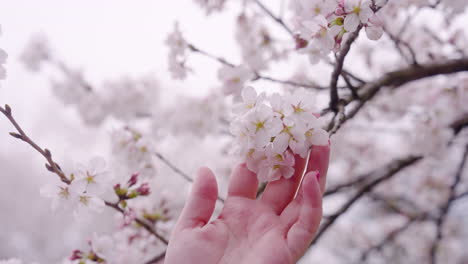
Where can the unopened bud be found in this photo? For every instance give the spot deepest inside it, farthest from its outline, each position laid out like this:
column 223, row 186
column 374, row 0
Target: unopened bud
column 144, row 189
column 133, row 180
column 16, row 135
column 77, row 254
column 7, row 109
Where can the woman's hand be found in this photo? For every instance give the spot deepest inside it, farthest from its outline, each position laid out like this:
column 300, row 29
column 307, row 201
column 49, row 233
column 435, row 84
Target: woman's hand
column 275, row 228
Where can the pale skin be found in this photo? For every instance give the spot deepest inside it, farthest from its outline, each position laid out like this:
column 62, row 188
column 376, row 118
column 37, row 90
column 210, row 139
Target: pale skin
column 275, row 228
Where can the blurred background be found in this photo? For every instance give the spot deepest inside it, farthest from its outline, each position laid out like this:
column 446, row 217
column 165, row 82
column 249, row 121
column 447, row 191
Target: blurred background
column 106, row 40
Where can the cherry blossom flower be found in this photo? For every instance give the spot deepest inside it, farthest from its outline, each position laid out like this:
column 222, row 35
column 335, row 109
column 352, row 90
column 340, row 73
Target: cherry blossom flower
column 234, row 78
column 103, row 246
column 262, row 125
column 61, row 196
column 271, row 132
column 276, row 165
column 250, row 99
column 94, row 178
column 374, row 28
column 357, row 11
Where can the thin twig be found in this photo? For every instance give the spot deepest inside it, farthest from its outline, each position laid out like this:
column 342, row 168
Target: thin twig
column 177, row 170
column 51, row 165
column 257, row 76
column 157, row 258
column 385, row 173
column 445, row 209
column 275, row 18
column 55, row 168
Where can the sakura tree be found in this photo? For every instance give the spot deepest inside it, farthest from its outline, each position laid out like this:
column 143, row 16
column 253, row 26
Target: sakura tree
column 383, row 84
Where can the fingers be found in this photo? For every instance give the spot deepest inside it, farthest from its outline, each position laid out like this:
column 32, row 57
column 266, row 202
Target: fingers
column 319, row 159
column 201, row 201
column 243, row 183
column 278, row 194
column 309, row 214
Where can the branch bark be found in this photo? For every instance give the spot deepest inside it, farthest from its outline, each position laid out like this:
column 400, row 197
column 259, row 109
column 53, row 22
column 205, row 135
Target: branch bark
column 383, row 174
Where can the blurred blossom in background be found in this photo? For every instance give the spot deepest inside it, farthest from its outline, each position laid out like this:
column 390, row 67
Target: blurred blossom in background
column 152, row 86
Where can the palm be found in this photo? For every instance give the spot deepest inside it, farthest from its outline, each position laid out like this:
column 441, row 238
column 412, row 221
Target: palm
column 272, row 229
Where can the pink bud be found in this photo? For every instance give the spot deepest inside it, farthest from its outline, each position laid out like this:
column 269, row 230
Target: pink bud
column 77, row 254
column 133, row 180
column 144, row 189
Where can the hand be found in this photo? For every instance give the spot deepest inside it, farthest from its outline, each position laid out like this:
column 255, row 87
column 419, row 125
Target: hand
column 275, row 229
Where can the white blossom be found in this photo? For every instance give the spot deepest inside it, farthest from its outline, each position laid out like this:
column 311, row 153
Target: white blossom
column 358, row 11
column 271, row 132
column 234, row 78
column 36, row 52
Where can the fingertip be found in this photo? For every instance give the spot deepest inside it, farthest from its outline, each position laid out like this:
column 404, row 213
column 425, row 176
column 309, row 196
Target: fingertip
column 205, row 183
column 243, row 182
column 311, row 188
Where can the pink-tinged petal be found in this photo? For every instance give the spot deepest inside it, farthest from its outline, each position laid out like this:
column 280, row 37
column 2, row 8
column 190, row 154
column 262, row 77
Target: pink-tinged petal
column 281, row 142
column 375, row 20
column 287, row 171
column 319, row 137
column 365, row 14
column 374, row 33
column 351, row 22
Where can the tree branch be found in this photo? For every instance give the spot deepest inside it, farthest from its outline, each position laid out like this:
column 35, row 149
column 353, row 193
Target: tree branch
column 53, row 167
column 334, row 98
column 275, row 18
column 177, row 170
column 383, row 174
column 398, row 78
column 446, row 207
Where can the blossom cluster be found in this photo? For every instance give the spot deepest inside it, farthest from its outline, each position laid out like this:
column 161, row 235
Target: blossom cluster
column 321, row 25
column 211, row 6
column 84, row 190
column 257, row 44
column 124, row 98
column 177, row 53
column 132, row 153
column 271, row 130
column 3, row 58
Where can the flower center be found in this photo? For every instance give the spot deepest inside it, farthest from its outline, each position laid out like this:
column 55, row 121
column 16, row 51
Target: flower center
column 259, row 125
column 84, row 200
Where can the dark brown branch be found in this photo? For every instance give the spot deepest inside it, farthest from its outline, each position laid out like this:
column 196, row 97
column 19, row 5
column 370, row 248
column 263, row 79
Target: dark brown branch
column 177, row 170
column 334, row 98
column 390, row 237
column 157, row 258
column 459, row 124
column 383, row 174
column 445, row 209
column 401, row 77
